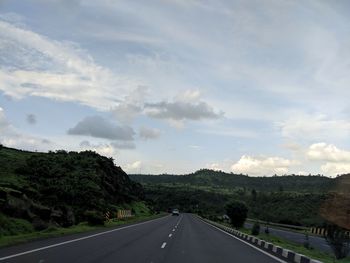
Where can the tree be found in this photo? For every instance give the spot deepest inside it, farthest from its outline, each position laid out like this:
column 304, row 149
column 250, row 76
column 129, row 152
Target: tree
column 237, row 212
column 254, row 194
column 338, row 240
column 256, row 229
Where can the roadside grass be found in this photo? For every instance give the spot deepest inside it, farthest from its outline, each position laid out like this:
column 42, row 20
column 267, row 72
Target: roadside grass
column 312, row 253
column 80, row 228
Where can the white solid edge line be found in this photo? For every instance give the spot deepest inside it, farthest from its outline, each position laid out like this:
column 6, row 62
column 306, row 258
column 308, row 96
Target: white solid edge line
column 78, row 239
column 164, row 244
column 262, row 251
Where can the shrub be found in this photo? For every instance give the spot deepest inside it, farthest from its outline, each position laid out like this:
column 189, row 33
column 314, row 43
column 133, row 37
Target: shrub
column 256, row 229
column 267, row 230
column 14, row 226
column 237, row 212
column 94, row 218
column 338, row 240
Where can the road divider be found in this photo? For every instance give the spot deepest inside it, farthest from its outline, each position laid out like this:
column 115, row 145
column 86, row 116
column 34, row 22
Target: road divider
column 282, row 253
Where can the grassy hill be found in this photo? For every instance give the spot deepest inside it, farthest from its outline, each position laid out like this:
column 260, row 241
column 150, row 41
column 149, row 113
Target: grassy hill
column 287, row 199
column 222, row 180
column 38, row 190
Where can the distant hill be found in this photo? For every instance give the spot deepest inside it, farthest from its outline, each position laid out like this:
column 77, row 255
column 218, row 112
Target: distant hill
column 289, row 199
column 60, row 187
column 210, row 178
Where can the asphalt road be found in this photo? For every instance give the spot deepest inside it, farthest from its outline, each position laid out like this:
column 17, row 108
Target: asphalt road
column 183, row 238
column 316, row 242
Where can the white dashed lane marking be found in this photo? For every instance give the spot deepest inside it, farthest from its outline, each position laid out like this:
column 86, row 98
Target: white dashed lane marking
column 164, row 244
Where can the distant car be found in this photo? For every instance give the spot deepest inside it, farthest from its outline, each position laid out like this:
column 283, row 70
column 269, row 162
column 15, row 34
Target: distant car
column 175, row 212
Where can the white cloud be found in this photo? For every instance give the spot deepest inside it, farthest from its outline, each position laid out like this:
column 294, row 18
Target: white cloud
column 103, row 149
column 214, row 166
column 336, row 168
column 34, row 65
column 131, row 106
column 262, row 165
column 314, row 127
column 134, row 167
column 327, row 152
column 180, row 111
column 189, row 96
column 11, row 137
column 337, row 160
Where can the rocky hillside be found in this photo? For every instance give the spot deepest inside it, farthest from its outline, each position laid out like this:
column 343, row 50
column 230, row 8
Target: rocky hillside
column 59, row 188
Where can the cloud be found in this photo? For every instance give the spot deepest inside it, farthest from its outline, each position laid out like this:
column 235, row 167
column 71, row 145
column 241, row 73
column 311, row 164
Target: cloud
column 262, row 165
column 131, row 105
column 4, row 124
column 11, row 137
column 108, row 149
column 180, row 111
column 327, row 152
column 337, row 160
column 314, row 127
column 149, row 133
column 214, row 166
column 134, row 167
column 189, row 96
column 35, row 65
column 31, row 119
column 103, row 149
column 96, row 126
column 123, row 145
column 336, row 168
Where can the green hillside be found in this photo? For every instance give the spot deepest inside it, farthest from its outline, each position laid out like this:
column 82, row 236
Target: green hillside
column 38, row 190
column 288, row 199
column 210, row 178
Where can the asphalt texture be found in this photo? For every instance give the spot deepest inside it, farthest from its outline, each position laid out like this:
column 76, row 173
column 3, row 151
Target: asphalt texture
column 316, row 242
column 184, row 238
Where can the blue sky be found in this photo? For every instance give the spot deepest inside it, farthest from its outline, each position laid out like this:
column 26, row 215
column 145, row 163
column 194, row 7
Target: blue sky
column 178, row 85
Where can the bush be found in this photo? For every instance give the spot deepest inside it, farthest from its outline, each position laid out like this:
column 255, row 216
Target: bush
column 14, row 226
column 267, row 230
column 94, row 218
column 338, row 240
column 256, row 229
column 237, row 212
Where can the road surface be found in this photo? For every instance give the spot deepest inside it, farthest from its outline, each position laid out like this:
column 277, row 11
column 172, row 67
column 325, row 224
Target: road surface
column 170, row 239
column 316, row 242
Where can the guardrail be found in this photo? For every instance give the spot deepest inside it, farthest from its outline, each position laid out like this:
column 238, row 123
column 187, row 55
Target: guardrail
column 124, row 214
column 285, row 254
column 279, row 225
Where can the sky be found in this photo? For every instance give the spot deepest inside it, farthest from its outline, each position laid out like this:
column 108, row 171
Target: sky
column 173, row 86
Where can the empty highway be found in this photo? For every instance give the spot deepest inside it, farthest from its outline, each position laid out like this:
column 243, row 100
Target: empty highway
column 183, row 238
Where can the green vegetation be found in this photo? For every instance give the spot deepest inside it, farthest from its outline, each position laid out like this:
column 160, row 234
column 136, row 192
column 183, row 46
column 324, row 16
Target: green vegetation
column 237, row 212
column 278, row 207
column 230, row 181
column 255, row 229
column 312, row 253
column 338, row 240
column 48, row 191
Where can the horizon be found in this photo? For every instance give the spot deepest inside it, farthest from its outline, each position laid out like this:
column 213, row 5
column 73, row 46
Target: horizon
column 173, row 87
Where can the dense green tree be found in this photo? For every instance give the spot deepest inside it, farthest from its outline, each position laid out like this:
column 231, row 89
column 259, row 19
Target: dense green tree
column 237, row 212
column 338, row 240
